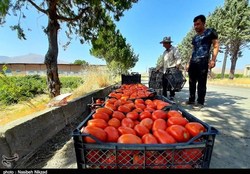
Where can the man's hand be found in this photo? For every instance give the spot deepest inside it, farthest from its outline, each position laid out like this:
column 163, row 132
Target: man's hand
column 211, row 64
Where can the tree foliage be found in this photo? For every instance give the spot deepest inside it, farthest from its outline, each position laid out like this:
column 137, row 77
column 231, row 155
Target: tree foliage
column 112, row 47
column 81, row 62
column 83, row 19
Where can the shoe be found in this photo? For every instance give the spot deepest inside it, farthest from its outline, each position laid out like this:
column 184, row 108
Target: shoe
column 198, row 106
column 188, row 103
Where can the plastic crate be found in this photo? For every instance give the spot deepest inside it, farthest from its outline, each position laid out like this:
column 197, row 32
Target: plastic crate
column 175, row 79
column 196, row 153
column 155, row 79
column 131, row 78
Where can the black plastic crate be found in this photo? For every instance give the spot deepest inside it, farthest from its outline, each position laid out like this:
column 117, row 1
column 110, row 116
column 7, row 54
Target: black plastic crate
column 196, row 153
column 175, row 79
column 132, row 78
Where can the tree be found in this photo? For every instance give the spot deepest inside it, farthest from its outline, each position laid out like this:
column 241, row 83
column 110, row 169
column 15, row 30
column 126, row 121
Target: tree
column 83, row 19
column 112, row 47
column 4, row 6
column 233, row 25
column 81, row 62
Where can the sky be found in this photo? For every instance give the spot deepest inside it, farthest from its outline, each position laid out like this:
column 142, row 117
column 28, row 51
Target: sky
column 143, row 26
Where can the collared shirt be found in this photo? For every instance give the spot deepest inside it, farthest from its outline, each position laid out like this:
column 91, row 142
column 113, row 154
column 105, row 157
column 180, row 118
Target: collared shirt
column 171, row 58
column 202, row 44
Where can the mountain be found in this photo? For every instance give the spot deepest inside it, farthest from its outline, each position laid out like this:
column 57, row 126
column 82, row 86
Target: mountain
column 29, row 58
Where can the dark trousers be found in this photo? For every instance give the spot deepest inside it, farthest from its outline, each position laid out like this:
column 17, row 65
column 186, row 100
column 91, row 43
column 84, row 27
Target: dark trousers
column 165, row 86
column 197, row 73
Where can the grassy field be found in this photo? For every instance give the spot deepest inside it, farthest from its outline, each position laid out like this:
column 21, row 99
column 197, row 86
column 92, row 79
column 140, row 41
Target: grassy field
column 93, row 81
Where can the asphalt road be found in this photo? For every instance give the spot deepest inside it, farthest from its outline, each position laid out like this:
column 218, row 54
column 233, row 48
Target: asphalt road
column 226, row 108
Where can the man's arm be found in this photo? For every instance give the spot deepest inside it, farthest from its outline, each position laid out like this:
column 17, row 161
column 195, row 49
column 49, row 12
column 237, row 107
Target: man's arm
column 212, row 62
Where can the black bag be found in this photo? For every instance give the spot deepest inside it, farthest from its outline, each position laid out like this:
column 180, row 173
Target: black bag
column 174, row 79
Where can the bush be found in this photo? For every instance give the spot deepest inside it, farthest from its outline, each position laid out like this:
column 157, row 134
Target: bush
column 14, row 89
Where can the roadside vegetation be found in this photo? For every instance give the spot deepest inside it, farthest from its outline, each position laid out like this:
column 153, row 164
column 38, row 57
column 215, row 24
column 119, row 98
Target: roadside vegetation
column 24, row 95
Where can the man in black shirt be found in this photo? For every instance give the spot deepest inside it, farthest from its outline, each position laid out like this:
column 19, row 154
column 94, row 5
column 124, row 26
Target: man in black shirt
column 201, row 60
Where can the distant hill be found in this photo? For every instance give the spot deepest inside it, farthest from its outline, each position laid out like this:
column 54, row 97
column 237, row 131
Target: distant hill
column 29, row 58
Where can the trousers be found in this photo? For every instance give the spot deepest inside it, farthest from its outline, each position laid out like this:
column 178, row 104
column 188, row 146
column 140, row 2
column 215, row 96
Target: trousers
column 197, row 73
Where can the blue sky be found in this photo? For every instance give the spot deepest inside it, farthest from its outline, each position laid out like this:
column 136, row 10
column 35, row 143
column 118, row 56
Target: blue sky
column 143, row 26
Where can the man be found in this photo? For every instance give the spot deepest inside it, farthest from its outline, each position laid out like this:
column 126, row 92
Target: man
column 201, row 60
column 170, row 61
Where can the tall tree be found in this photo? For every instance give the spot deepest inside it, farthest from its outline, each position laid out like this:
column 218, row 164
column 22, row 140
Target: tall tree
column 83, row 19
column 81, row 62
column 112, row 47
column 4, row 6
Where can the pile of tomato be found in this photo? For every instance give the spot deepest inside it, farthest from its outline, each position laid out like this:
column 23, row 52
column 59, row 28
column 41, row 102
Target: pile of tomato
column 138, row 121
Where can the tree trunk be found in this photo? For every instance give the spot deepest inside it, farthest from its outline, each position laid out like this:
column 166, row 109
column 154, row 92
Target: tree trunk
column 224, row 63
column 53, row 81
column 234, row 60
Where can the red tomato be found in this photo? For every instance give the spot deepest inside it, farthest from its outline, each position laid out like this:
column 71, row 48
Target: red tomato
column 105, row 110
column 138, row 110
column 159, row 114
column 132, row 115
column 148, row 101
column 124, row 109
column 177, row 121
column 114, row 122
column 173, row 113
column 139, row 100
column 119, row 115
column 148, row 122
column 103, row 116
column 138, row 161
column 141, row 130
column 129, row 139
column 110, row 106
column 191, row 155
column 128, row 122
column 163, row 137
column 179, row 133
column 160, row 162
column 161, row 104
column 195, row 128
column 99, row 133
column 97, row 122
column 126, row 130
column 159, row 124
column 149, row 139
column 112, row 134
column 140, row 105
column 145, row 114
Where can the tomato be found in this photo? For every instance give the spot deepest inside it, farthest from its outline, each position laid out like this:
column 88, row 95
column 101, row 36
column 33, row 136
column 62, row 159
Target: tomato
column 114, row 122
column 149, row 110
column 163, row 137
column 139, row 100
column 141, row 130
column 103, row 116
column 111, row 100
column 129, row 139
column 99, row 133
column 191, row 155
column 173, row 113
column 132, row 115
column 126, row 130
column 151, row 105
column 148, row 122
column 128, row 122
column 124, row 109
column 148, row 101
column 177, row 121
column 140, row 105
column 110, row 106
column 108, row 159
column 97, row 122
column 105, row 110
column 161, row 104
column 179, row 133
column 92, row 156
column 136, row 122
column 149, row 139
column 131, row 106
column 160, row 163
column 138, row 161
column 119, row 115
column 195, row 128
column 159, row 124
column 112, row 134
column 145, row 114
column 159, row 114
column 138, row 110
